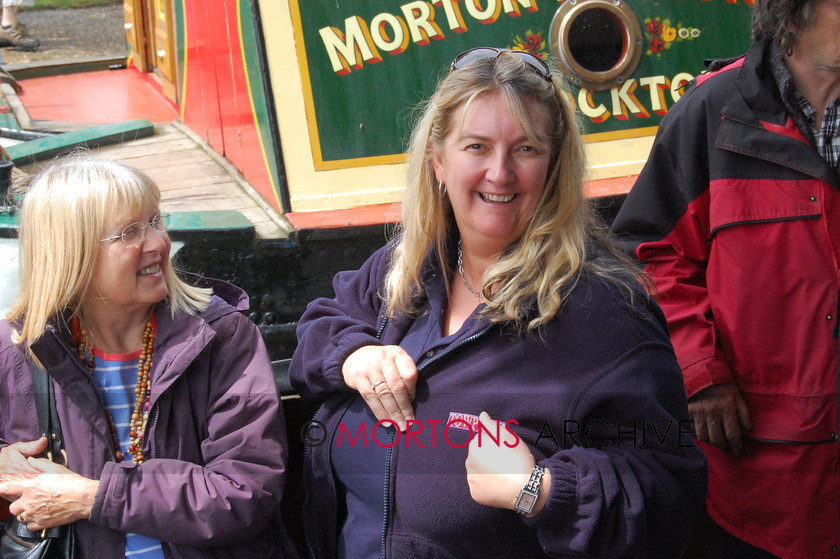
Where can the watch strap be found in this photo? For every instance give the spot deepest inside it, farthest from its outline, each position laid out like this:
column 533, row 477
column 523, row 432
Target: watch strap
column 536, row 478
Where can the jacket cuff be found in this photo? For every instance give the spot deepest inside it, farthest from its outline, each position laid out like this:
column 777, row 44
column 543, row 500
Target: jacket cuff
column 706, row 373
column 562, row 497
column 348, row 344
column 111, row 493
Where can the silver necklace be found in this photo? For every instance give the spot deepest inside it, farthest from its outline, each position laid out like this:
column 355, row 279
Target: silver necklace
column 461, row 271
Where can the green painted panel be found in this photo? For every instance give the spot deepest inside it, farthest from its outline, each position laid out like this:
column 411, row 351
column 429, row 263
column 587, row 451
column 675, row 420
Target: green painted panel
column 8, row 120
column 8, row 225
column 96, row 136
column 180, row 45
column 251, row 50
column 211, row 220
column 370, row 62
column 184, row 224
column 7, row 116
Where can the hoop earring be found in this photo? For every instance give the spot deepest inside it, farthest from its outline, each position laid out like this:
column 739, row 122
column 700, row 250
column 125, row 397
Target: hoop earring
column 441, row 188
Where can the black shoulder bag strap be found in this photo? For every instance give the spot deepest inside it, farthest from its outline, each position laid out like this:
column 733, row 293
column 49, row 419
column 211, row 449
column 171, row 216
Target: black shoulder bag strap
column 44, row 392
column 18, row 542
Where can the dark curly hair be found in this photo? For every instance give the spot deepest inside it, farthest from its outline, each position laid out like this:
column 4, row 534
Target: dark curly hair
column 771, row 19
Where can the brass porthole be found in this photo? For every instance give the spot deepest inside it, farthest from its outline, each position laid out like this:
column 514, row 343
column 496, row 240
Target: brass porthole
column 597, row 42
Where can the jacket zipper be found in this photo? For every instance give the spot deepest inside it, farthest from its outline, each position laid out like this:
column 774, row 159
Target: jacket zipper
column 109, row 441
column 386, row 501
column 152, row 429
column 452, row 348
column 389, row 452
column 307, row 455
column 381, row 328
column 307, row 458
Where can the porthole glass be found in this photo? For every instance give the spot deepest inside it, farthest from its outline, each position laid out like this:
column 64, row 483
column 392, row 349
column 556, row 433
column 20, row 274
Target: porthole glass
column 597, row 42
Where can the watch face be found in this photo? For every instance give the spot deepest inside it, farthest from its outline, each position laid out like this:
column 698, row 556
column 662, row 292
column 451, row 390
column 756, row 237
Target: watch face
column 525, row 502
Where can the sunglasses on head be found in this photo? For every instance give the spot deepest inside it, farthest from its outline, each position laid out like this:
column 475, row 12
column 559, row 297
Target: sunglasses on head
column 533, row 61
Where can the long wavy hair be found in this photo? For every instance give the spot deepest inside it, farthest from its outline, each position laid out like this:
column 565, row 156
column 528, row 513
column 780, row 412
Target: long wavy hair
column 771, row 19
column 65, row 210
column 528, row 283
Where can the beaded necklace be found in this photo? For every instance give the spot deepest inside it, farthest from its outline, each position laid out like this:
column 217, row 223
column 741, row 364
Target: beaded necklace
column 140, row 415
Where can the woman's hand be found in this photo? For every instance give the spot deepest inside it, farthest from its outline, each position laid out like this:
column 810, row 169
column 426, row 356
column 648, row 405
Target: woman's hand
column 54, row 497
column 13, row 461
column 386, row 377
column 496, row 473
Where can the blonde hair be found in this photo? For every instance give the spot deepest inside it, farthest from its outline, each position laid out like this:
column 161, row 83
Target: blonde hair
column 528, row 283
column 65, row 211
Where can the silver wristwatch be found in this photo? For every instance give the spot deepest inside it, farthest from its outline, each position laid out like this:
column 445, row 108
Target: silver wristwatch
column 530, row 493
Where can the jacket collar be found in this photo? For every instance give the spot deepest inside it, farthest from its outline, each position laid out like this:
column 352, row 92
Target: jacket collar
column 756, row 123
column 755, row 96
column 181, row 339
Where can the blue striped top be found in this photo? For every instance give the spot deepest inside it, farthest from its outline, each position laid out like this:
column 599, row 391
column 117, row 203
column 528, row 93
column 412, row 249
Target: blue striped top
column 116, row 375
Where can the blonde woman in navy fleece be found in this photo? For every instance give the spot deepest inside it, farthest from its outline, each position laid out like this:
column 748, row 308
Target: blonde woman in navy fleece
column 493, row 377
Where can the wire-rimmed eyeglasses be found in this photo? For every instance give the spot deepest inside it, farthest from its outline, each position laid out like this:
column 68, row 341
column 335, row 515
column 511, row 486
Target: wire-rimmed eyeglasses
column 533, row 61
column 134, row 233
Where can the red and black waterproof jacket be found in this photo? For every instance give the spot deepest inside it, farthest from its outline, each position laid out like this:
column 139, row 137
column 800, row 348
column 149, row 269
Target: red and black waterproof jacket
column 736, row 218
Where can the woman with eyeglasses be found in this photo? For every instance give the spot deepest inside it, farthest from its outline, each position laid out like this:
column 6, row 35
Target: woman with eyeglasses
column 496, row 381
column 174, row 434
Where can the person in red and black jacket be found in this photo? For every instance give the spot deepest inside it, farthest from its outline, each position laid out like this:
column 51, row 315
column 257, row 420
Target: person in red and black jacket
column 736, row 216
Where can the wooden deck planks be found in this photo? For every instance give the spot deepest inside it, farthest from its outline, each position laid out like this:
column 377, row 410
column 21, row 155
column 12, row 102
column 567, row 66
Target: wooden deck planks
column 190, row 178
